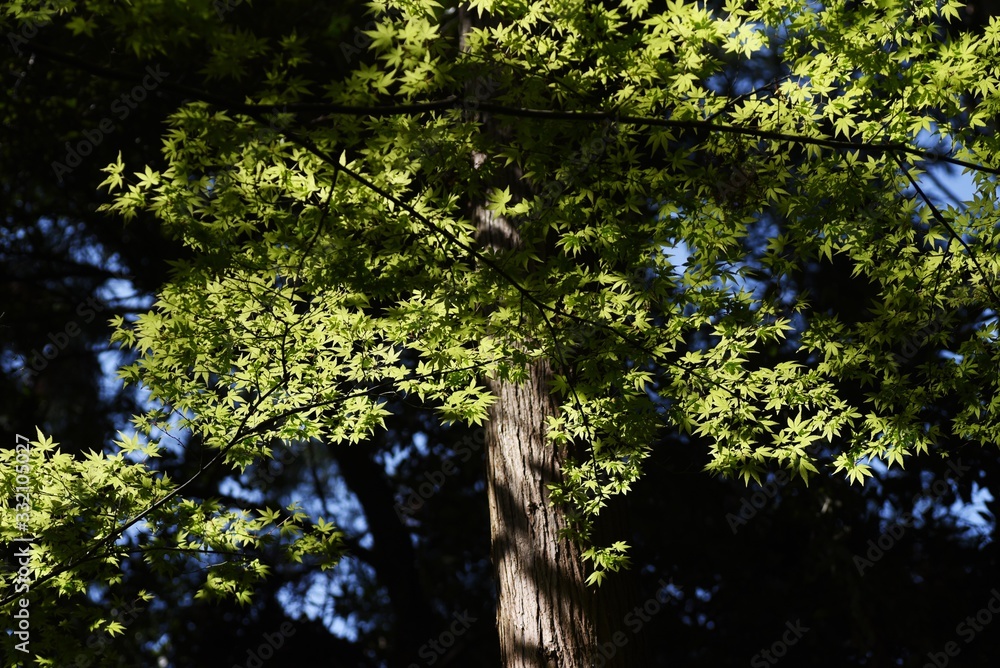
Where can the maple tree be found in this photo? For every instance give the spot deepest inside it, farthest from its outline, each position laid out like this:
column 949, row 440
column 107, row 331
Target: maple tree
column 558, row 220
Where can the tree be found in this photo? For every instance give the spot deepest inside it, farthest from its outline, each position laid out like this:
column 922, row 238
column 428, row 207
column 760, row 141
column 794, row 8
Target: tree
column 554, row 224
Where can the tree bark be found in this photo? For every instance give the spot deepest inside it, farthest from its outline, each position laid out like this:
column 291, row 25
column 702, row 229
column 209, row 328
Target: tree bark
column 544, row 615
column 547, row 616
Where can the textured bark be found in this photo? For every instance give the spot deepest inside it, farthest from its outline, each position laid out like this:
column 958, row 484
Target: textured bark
column 544, row 614
column 547, row 617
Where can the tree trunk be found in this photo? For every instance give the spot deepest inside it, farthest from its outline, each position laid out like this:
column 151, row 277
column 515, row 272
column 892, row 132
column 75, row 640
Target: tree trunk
column 547, row 617
column 544, row 614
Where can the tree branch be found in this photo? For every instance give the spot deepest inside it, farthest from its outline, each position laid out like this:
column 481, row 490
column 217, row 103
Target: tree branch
column 455, row 102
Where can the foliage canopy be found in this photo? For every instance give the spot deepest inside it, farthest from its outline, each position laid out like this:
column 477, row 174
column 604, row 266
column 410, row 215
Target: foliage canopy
column 659, row 235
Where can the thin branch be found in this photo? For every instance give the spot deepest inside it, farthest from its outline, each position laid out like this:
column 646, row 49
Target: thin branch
column 951, row 230
column 454, row 102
